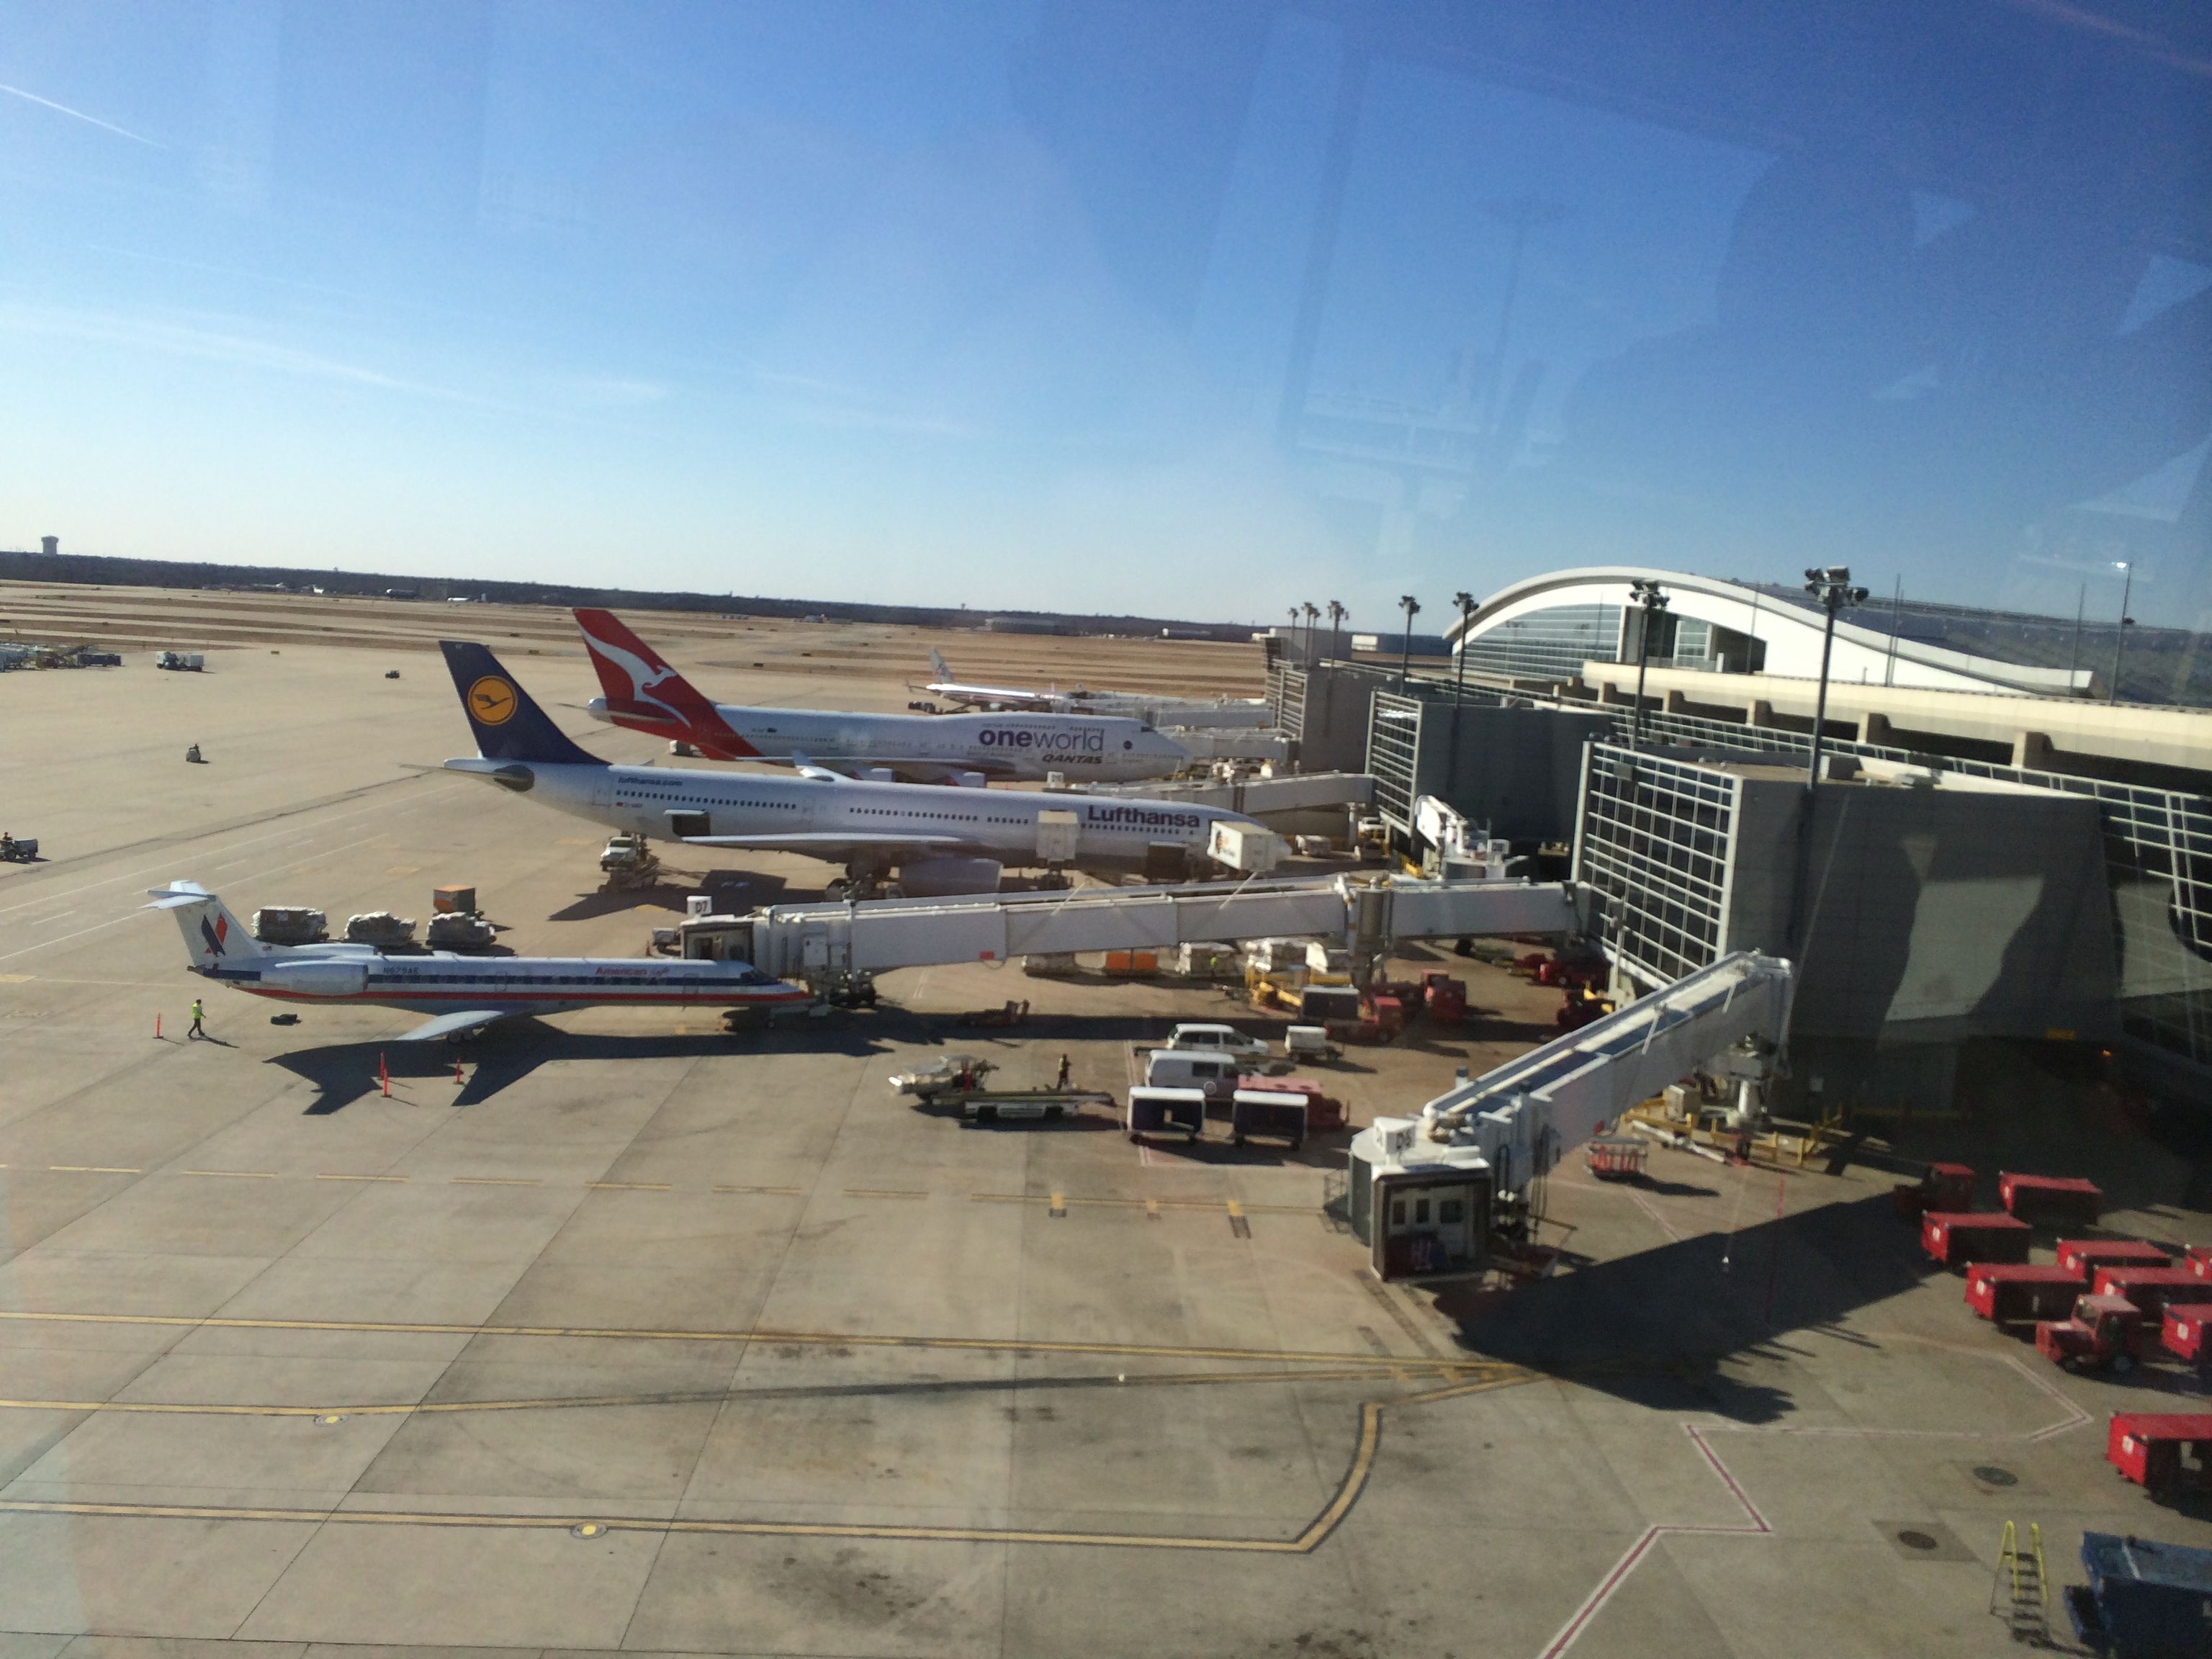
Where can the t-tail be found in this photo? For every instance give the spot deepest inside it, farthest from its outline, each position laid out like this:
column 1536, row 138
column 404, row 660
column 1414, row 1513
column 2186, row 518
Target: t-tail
column 937, row 666
column 213, row 937
column 508, row 726
column 644, row 693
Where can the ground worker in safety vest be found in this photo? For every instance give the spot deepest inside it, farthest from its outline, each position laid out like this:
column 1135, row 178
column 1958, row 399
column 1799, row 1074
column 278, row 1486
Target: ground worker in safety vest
column 198, row 1011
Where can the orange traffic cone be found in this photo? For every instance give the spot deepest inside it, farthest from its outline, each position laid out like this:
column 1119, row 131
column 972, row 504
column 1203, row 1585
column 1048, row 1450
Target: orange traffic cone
column 382, row 1076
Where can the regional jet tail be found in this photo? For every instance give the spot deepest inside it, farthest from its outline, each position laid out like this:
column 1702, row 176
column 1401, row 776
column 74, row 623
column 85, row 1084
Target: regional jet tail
column 463, row 993
column 992, row 696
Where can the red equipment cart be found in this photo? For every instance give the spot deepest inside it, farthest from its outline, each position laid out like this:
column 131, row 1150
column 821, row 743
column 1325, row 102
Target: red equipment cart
column 2152, row 1288
column 1956, row 1240
column 2197, row 1258
column 1946, row 1186
column 1617, row 1157
column 2005, row 1291
column 1323, row 1112
column 2166, row 1453
column 2186, row 1331
column 2086, row 1255
column 2044, row 1198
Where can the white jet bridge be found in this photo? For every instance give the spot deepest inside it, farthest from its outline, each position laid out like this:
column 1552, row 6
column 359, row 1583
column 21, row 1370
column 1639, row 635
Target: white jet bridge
column 1420, row 1189
column 1367, row 913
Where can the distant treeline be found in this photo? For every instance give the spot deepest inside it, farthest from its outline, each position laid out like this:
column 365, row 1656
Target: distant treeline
column 246, row 577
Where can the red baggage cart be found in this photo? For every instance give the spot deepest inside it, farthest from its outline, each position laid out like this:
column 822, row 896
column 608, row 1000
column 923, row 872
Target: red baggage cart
column 2152, row 1288
column 1617, row 1157
column 2186, row 1331
column 2005, row 1291
column 2042, row 1199
column 2197, row 1258
column 1948, row 1187
column 1323, row 1112
column 2086, row 1255
column 1444, row 997
column 1956, row 1240
column 2166, row 1453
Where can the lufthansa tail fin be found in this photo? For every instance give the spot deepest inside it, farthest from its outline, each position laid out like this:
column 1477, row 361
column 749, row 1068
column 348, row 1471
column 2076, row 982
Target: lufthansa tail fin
column 937, row 666
column 213, row 937
column 647, row 695
column 507, row 724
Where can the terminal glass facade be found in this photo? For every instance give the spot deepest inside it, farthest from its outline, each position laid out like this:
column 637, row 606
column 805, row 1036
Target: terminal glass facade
column 1550, row 644
column 1654, row 846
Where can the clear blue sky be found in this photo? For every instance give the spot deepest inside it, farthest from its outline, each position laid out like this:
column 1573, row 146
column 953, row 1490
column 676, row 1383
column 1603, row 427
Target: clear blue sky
column 997, row 304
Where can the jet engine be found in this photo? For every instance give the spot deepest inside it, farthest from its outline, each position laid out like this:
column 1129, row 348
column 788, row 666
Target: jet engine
column 324, row 978
column 948, row 878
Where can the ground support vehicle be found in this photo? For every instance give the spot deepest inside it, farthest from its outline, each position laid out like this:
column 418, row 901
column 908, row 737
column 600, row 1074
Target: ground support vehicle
column 1008, row 1013
column 2152, row 1288
column 2044, row 1201
column 1165, row 1111
column 23, row 851
column 2087, row 1255
column 1269, row 1114
column 1309, row 1043
column 1942, row 1187
column 1959, row 1240
column 2008, row 1292
column 2144, row 1600
column 1324, row 1112
column 1617, row 1157
column 2104, row 1332
column 2168, row 1454
column 2186, row 1333
column 628, row 861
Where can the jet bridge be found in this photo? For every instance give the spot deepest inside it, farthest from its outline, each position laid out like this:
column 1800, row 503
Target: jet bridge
column 1367, row 913
column 1420, row 1188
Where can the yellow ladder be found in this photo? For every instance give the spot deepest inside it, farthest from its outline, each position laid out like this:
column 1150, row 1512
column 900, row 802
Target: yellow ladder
column 2022, row 1595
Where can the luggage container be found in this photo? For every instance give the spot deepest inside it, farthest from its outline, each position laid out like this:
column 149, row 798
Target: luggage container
column 453, row 901
column 2086, row 1255
column 2040, row 1200
column 1617, row 1157
column 1165, row 1111
column 380, row 928
column 2197, row 1258
column 2009, row 1292
column 1944, row 1187
column 1132, row 964
column 1323, row 1113
column 1318, row 1004
column 2187, row 1333
column 290, row 924
column 1444, row 997
column 2165, row 1453
column 1389, row 1015
column 2144, row 1600
column 1959, row 1240
column 1307, row 1043
column 1270, row 1114
column 2152, row 1288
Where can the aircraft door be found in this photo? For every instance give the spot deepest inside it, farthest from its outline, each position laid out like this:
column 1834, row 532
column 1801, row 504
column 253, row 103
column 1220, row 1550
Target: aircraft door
column 684, row 825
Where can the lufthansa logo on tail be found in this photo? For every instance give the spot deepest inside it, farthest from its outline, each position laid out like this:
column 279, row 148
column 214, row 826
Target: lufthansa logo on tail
column 492, row 701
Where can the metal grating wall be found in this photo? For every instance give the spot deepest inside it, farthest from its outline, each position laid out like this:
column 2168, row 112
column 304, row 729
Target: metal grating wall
column 1394, row 747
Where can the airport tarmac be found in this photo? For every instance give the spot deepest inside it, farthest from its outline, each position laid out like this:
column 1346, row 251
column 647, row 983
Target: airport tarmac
column 640, row 1336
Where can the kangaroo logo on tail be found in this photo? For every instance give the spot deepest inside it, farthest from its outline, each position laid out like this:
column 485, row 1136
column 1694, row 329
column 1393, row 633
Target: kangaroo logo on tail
column 631, row 673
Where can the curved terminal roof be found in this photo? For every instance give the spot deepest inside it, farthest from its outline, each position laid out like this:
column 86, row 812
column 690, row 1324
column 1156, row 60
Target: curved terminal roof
column 1789, row 631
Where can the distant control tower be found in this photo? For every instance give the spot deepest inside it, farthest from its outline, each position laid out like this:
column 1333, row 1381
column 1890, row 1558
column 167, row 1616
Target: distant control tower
column 50, row 545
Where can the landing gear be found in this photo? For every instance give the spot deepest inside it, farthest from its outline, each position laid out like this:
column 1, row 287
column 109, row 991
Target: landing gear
column 1054, row 880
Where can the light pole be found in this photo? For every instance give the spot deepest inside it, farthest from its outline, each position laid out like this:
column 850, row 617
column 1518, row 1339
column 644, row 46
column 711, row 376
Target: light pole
column 1313, row 614
column 1337, row 613
column 2120, row 643
column 1411, row 607
column 1291, row 638
column 1467, row 607
column 1653, row 599
column 1832, row 587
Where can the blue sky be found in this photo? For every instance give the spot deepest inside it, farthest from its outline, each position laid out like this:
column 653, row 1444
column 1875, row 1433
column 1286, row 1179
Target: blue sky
column 993, row 304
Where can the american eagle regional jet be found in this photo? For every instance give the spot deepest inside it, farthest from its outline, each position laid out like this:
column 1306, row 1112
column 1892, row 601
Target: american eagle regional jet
column 939, row 840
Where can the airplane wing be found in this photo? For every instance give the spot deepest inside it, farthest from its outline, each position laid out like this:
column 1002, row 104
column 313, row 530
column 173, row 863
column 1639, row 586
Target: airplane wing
column 452, row 1025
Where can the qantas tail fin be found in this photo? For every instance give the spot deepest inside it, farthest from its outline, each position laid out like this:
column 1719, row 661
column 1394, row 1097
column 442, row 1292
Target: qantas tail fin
column 507, row 724
column 937, row 666
column 213, row 937
column 645, row 693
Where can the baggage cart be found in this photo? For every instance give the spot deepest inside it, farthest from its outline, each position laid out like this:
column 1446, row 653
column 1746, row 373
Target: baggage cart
column 1270, row 1114
column 1949, row 1186
column 2005, row 1292
column 2144, row 1600
column 1617, row 1157
column 2166, row 1453
column 2086, row 1255
column 2152, row 1289
column 1324, row 1113
column 2197, row 1258
column 2043, row 1200
column 2187, row 1333
column 1958, row 1241
column 453, row 901
column 1165, row 1111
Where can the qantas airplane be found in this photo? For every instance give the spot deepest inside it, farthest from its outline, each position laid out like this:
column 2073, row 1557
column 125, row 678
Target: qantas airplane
column 645, row 693
column 939, row 840
column 465, row 992
column 1159, row 711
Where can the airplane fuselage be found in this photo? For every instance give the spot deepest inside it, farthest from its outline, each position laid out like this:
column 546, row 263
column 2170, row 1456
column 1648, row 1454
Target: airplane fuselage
column 441, row 983
column 1019, row 745
column 996, row 823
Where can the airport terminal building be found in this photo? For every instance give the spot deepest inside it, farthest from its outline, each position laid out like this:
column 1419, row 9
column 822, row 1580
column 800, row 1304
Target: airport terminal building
column 1993, row 849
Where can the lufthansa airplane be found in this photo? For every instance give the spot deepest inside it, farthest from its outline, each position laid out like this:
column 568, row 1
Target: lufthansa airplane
column 647, row 695
column 463, row 992
column 940, row 840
